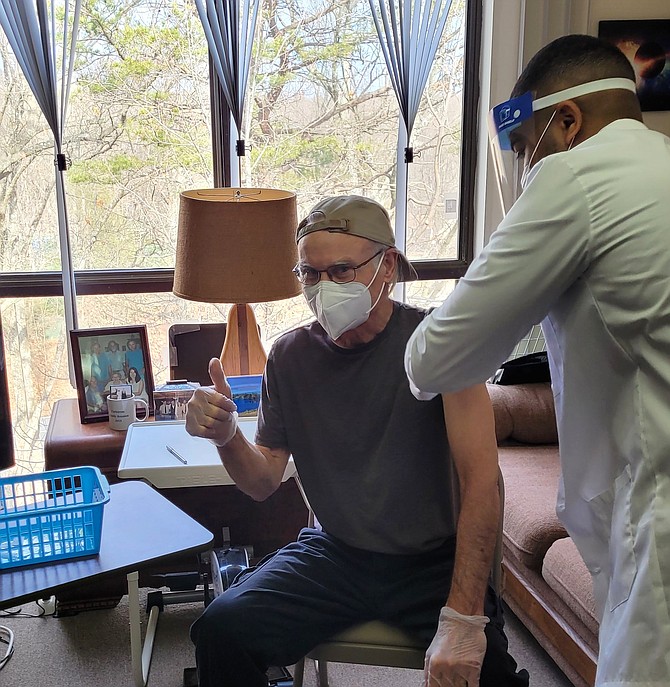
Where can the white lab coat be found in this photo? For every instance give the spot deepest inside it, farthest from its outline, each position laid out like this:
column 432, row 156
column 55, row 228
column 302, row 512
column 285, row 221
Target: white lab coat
column 587, row 248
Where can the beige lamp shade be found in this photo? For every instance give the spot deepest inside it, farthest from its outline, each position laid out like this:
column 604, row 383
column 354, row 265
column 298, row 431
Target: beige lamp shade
column 236, row 245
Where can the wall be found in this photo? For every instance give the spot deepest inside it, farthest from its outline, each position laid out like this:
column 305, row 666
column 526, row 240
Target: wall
column 625, row 9
column 513, row 31
column 502, row 26
column 548, row 19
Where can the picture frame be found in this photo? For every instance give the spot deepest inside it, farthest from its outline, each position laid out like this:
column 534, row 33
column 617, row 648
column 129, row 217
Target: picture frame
column 110, row 358
column 246, row 393
column 646, row 44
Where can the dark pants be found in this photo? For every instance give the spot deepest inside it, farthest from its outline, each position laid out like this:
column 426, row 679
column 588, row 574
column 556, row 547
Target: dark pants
column 318, row 586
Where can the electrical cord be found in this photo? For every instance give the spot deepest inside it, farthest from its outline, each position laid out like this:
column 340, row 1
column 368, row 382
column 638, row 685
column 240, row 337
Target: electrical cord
column 19, row 612
column 6, row 637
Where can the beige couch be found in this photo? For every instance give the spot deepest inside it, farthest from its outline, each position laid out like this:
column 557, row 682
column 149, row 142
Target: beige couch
column 545, row 581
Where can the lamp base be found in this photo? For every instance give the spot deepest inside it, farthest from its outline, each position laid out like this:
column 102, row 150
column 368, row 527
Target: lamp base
column 243, row 352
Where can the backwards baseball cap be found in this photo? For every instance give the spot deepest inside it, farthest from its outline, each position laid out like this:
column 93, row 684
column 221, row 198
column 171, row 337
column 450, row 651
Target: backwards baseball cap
column 358, row 216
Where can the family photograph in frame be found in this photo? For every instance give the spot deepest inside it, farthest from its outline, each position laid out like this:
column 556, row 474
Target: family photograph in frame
column 110, row 362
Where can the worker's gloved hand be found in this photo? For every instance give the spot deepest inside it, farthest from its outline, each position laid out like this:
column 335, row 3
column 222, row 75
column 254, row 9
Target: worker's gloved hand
column 211, row 412
column 455, row 656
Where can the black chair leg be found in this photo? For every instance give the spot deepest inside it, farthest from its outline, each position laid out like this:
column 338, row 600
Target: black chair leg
column 190, row 677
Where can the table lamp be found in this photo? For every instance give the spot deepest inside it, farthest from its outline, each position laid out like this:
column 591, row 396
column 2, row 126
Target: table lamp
column 237, row 246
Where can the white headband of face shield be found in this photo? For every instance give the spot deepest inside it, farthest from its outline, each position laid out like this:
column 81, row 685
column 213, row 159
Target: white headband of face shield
column 506, row 117
column 567, row 94
column 583, row 89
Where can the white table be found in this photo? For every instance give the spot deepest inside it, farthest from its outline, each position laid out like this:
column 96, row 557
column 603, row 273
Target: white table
column 146, row 457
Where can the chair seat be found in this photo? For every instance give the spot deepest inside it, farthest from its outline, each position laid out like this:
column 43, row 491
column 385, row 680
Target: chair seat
column 373, row 643
column 377, row 643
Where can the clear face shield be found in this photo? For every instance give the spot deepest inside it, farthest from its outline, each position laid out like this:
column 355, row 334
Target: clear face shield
column 514, row 119
column 514, row 116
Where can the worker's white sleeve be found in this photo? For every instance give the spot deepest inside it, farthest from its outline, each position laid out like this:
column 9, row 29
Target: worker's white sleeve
column 540, row 248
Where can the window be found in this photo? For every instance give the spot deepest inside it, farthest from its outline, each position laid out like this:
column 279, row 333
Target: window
column 321, row 119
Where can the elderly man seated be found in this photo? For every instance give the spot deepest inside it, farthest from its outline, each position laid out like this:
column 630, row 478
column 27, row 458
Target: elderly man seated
column 376, row 466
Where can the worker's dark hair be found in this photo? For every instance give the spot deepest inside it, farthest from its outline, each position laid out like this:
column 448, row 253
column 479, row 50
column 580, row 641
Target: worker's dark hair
column 572, row 60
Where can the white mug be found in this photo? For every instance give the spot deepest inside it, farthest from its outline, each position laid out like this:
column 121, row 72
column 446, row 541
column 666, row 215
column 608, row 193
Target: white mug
column 123, row 412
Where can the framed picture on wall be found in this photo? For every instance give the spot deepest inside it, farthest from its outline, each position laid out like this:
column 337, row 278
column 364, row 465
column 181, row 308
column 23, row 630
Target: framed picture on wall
column 646, row 44
column 110, row 361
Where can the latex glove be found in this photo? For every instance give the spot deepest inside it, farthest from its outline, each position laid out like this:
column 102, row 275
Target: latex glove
column 211, row 413
column 454, row 657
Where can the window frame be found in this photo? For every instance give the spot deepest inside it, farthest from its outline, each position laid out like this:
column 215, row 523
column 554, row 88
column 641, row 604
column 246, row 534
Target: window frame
column 115, row 281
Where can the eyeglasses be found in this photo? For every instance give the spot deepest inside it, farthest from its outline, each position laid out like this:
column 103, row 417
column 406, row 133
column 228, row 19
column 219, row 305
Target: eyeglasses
column 341, row 273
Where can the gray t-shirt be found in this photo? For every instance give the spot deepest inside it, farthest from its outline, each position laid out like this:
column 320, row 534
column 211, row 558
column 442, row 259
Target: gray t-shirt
column 374, row 461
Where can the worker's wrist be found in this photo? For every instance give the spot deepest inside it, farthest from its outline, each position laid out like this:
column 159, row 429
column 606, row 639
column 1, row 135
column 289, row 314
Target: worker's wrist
column 449, row 614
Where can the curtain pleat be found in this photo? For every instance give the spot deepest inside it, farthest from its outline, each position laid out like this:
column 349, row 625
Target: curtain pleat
column 31, row 28
column 409, row 34
column 229, row 28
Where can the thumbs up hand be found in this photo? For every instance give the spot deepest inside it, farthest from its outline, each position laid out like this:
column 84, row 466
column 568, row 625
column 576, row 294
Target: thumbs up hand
column 218, row 377
column 211, row 413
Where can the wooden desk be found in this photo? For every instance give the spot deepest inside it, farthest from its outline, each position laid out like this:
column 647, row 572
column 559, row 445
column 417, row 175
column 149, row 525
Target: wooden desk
column 70, row 443
column 266, row 526
column 139, row 527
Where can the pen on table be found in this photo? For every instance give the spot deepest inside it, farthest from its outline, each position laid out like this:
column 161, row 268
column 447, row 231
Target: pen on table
column 175, row 454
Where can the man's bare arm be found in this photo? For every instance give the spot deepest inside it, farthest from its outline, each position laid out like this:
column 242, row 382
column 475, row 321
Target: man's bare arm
column 471, row 431
column 256, row 470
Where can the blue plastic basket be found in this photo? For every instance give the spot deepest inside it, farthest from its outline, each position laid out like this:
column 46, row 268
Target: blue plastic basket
column 51, row 515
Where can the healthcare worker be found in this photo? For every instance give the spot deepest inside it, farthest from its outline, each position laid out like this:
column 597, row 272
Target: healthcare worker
column 585, row 249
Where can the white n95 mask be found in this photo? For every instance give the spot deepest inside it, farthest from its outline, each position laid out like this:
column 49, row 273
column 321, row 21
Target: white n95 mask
column 341, row 307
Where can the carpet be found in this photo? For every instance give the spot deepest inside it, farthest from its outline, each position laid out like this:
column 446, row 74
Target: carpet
column 92, row 649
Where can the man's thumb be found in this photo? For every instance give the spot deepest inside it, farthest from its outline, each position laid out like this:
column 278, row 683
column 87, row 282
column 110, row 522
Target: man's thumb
column 218, row 377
